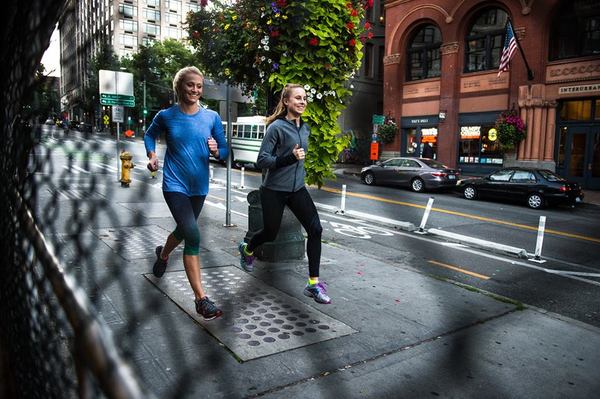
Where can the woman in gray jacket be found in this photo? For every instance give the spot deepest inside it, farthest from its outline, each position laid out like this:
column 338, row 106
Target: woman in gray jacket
column 282, row 153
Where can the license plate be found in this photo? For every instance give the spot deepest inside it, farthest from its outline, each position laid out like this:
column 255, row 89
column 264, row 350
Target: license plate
column 451, row 177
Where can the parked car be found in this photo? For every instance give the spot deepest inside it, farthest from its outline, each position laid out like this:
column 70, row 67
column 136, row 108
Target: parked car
column 419, row 174
column 535, row 187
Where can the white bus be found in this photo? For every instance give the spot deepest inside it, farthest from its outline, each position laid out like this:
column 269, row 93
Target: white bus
column 246, row 137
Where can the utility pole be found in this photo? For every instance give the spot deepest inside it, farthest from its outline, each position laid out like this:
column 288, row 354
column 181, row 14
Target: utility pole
column 144, row 111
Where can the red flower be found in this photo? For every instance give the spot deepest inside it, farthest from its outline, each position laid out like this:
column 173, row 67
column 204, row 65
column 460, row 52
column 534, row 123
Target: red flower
column 354, row 13
column 327, row 66
column 351, row 42
column 350, row 25
column 274, row 33
column 203, row 3
column 313, row 41
column 370, row 35
column 368, row 4
column 281, row 3
column 349, row 6
column 363, row 39
column 367, row 25
column 196, row 34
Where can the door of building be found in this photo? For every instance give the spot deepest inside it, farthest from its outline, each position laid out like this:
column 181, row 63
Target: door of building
column 420, row 142
column 582, row 156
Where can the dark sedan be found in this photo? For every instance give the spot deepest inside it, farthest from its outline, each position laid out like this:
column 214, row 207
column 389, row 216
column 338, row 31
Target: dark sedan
column 535, row 187
column 419, row 174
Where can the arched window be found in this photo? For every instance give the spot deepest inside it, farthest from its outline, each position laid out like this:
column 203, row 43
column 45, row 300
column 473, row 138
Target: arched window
column 485, row 40
column 575, row 30
column 424, row 53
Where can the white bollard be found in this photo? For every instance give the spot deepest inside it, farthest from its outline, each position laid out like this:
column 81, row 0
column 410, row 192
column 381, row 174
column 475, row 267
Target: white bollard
column 242, row 178
column 210, row 173
column 540, row 241
column 343, row 205
column 425, row 216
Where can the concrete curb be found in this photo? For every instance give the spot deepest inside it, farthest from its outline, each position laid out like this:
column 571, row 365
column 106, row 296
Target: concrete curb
column 493, row 246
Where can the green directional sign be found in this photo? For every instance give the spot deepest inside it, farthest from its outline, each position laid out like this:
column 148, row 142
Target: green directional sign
column 378, row 119
column 117, row 99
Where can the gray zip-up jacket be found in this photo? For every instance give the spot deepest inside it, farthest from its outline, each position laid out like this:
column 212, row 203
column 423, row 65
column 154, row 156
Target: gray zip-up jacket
column 284, row 171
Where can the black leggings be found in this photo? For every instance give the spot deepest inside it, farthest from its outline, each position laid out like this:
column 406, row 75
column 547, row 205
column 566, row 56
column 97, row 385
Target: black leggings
column 185, row 211
column 303, row 207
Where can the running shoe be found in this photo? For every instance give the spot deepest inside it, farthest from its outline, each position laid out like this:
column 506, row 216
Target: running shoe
column 160, row 265
column 246, row 261
column 207, row 308
column 318, row 292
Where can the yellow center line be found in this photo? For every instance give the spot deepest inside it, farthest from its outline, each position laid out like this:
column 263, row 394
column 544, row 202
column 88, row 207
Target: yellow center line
column 458, row 269
column 465, row 215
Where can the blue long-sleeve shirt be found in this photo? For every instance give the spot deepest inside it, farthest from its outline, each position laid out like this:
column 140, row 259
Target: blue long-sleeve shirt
column 186, row 164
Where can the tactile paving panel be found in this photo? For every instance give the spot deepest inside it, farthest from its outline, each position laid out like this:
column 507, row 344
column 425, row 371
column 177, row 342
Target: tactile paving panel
column 136, row 242
column 258, row 320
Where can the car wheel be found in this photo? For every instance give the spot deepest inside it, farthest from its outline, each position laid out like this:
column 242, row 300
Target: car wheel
column 470, row 193
column 369, row 178
column 535, row 201
column 417, row 185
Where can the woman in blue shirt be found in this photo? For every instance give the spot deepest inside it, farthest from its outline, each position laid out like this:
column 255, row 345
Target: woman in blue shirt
column 192, row 134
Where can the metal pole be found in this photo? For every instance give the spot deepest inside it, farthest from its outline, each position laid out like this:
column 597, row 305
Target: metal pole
column 228, row 189
column 118, row 154
column 144, row 110
column 343, row 205
column 242, row 178
column 425, row 216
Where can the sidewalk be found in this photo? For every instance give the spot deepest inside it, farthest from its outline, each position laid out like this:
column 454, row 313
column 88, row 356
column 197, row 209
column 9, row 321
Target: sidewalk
column 591, row 196
column 391, row 331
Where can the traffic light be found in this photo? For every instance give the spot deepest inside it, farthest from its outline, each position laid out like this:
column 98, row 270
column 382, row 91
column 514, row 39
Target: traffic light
column 145, row 112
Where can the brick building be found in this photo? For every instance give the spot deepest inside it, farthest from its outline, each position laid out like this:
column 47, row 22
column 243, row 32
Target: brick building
column 441, row 82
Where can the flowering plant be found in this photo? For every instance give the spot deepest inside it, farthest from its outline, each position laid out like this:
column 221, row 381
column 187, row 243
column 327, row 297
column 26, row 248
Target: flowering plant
column 264, row 44
column 511, row 130
column 387, row 131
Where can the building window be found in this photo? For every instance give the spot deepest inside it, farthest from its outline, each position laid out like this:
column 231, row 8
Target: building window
column 575, row 30
column 368, row 60
column 128, row 25
column 148, row 41
column 152, row 29
column 128, row 41
column 173, row 19
column 152, row 15
column 485, row 40
column 126, row 10
column 477, row 146
column 194, row 7
column 173, row 33
column 173, row 5
column 153, row 3
column 424, row 53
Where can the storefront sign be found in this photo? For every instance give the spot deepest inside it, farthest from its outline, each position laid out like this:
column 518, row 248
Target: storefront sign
column 470, row 132
column 417, row 90
column 492, row 134
column 579, row 89
column 408, row 121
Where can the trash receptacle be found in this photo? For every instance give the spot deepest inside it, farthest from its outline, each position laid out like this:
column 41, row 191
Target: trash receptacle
column 289, row 243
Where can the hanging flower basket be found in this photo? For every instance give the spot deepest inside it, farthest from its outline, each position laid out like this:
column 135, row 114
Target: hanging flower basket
column 387, row 131
column 511, row 130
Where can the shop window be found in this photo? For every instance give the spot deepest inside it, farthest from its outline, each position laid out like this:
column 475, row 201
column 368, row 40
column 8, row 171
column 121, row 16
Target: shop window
column 423, row 54
column 576, row 110
column 575, row 30
column 485, row 40
column 479, row 145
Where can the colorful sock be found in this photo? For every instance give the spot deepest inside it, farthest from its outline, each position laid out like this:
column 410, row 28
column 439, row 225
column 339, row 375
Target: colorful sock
column 246, row 252
column 313, row 281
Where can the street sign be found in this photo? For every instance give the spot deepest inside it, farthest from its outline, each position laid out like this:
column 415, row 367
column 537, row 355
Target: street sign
column 374, row 151
column 378, row 119
column 117, row 113
column 117, row 99
column 106, row 119
column 116, row 88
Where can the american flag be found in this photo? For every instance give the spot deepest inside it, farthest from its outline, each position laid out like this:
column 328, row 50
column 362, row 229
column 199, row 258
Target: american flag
column 510, row 45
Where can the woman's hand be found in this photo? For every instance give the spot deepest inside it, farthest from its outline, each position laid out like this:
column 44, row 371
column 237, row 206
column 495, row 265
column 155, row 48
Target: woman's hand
column 153, row 163
column 298, row 152
column 213, row 148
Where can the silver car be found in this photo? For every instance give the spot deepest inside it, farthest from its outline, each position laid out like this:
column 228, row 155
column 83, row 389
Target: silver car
column 419, row 174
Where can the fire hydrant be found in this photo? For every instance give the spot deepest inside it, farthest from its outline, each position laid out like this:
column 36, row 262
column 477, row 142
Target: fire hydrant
column 126, row 165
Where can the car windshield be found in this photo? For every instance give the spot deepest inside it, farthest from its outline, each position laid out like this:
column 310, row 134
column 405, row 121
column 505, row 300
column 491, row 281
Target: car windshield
column 550, row 176
column 433, row 164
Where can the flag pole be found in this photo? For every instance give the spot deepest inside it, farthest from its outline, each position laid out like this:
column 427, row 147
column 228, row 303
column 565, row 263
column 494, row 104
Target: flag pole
column 529, row 71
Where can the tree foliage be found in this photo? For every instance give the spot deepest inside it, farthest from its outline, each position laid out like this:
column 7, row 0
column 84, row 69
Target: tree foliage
column 316, row 43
